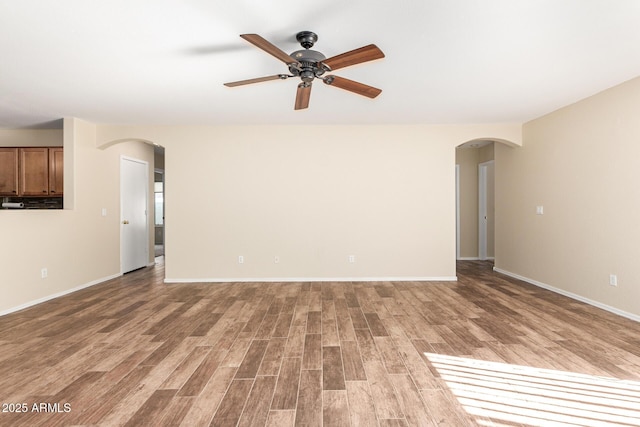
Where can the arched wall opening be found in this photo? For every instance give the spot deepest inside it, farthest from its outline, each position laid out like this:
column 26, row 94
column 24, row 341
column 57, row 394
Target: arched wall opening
column 475, row 198
column 152, row 154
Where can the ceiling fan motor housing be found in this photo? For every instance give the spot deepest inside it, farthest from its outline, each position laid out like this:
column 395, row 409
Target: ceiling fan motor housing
column 309, row 64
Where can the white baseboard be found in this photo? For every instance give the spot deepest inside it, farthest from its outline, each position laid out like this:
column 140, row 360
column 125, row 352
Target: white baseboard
column 311, row 279
column 570, row 295
column 59, row 294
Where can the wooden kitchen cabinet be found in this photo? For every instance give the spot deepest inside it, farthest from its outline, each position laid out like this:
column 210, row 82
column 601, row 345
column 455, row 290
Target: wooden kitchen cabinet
column 56, row 171
column 34, row 171
column 8, row 171
column 31, row 171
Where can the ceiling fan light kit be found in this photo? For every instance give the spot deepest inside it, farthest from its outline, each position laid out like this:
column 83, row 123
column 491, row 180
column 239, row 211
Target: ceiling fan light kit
column 309, row 64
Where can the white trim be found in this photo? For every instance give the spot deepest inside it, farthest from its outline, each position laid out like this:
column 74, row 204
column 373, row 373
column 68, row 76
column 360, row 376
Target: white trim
column 311, row 279
column 458, row 212
column 59, row 294
column 570, row 295
column 468, row 258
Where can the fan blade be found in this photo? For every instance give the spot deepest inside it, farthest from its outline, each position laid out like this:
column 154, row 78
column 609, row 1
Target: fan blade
column 352, row 86
column 353, row 57
column 268, row 47
column 302, row 96
column 256, row 80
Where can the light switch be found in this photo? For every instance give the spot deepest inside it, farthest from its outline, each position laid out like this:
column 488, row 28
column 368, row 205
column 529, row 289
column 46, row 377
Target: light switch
column 104, row 211
column 539, row 210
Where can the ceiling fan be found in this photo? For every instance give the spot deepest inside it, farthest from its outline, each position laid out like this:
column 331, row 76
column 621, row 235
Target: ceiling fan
column 310, row 64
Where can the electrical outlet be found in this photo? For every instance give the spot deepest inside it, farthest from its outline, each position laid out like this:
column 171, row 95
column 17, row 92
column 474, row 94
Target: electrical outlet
column 276, row 259
column 44, row 273
column 240, row 259
column 352, row 259
column 613, row 280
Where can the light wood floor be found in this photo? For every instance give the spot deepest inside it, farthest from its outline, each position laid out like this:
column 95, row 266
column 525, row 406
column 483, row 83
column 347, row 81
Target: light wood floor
column 486, row 350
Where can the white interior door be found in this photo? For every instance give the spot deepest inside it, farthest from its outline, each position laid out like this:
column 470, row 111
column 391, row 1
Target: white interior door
column 485, row 210
column 134, row 225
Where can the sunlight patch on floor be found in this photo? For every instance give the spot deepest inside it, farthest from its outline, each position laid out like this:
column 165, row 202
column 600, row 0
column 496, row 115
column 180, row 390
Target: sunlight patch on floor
column 538, row 397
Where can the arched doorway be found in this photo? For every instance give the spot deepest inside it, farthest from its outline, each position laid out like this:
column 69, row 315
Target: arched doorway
column 475, row 200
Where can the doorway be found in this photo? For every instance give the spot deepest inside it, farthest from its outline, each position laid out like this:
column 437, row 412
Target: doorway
column 134, row 226
column 486, row 217
column 474, row 186
column 158, row 214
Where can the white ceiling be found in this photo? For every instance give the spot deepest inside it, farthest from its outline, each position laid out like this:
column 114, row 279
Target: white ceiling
column 447, row 61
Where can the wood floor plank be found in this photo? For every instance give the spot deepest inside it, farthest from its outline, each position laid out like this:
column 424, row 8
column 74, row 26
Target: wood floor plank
column 201, row 376
column 176, row 410
column 375, row 325
column 232, row 405
column 186, row 368
column 314, row 322
column 382, row 391
column 286, row 392
column 332, row 369
column 282, row 325
column 252, row 360
column 368, row 350
column 295, row 342
column 206, row 403
column 309, row 407
column 256, row 410
column 312, row 356
column 390, row 356
column 362, row 411
column 281, row 419
column 352, row 361
column 335, row 408
column 272, row 357
column 153, row 409
column 267, row 327
column 411, row 401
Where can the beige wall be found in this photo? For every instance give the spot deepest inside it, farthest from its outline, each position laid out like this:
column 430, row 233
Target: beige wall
column 311, row 195
column 77, row 246
column 581, row 164
column 467, row 160
column 31, row 137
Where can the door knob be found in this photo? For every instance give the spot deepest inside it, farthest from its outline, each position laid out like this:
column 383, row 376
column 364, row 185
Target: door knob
column 125, row 222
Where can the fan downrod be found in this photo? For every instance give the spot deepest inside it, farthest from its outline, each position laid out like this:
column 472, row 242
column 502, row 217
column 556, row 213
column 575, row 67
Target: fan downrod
column 307, row 39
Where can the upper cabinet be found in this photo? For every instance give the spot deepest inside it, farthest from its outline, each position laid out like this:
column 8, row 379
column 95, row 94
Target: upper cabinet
column 34, row 171
column 31, row 171
column 56, row 171
column 8, row 171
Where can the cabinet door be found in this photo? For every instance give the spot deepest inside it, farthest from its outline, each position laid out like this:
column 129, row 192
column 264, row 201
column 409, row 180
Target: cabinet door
column 34, row 171
column 8, row 171
column 56, row 171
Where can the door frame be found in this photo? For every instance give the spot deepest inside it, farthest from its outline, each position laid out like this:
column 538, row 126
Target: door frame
column 457, row 212
column 124, row 158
